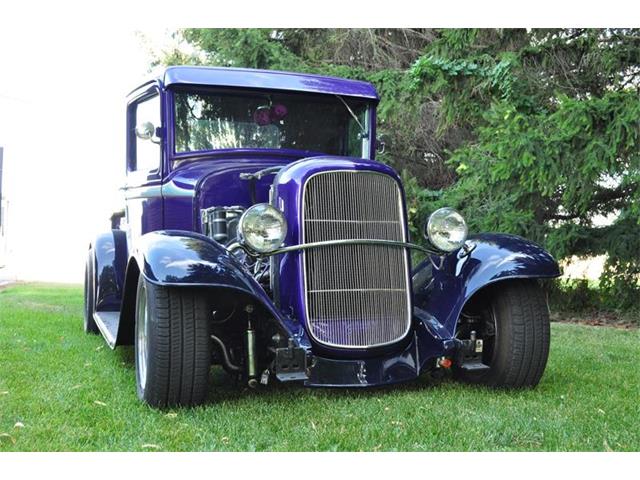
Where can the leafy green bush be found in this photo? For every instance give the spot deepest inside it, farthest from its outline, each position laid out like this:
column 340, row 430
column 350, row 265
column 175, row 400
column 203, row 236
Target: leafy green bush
column 578, row 296
column 574, row 296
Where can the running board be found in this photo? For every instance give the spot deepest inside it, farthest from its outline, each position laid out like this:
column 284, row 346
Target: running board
column 108, row 324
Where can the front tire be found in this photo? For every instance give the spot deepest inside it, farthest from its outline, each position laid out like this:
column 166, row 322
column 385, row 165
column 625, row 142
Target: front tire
column 517, row 347
column 172, row 347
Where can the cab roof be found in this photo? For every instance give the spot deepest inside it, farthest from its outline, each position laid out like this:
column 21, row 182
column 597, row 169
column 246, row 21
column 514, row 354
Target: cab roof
column 267, row 80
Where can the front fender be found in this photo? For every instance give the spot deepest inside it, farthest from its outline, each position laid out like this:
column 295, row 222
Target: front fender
column 182, row 258
column 442, row 286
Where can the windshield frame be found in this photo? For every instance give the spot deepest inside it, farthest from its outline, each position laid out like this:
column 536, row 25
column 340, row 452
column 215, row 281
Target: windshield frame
column 367, row 151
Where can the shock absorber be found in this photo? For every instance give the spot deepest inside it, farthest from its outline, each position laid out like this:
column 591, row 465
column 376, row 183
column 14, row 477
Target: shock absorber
column 250, row 348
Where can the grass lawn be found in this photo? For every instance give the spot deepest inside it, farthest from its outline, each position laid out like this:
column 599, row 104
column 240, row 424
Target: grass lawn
column 63, row 390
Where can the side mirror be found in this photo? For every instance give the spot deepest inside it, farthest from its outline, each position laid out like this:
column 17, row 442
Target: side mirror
column 145, row 131
column 381, row 144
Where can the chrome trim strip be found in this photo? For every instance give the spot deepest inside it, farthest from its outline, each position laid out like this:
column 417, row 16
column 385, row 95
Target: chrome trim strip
column 147, row 191
column 168, row 190
column 354, row 241
column 171, row 190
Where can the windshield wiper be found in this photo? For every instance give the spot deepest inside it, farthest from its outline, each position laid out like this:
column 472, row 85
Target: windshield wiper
column 363, row 132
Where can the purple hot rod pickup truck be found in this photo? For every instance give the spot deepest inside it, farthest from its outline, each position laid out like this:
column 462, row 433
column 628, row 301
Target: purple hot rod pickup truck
column 260, row 234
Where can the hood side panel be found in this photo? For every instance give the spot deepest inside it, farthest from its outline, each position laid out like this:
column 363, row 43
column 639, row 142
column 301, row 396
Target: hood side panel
column 212, row 182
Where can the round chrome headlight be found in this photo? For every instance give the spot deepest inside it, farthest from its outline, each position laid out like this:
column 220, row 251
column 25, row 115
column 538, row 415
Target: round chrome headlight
column 446, row 229
column 262, row 228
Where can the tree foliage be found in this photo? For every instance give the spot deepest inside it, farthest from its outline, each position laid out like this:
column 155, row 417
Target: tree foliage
column 556, row 115
column 533, row 132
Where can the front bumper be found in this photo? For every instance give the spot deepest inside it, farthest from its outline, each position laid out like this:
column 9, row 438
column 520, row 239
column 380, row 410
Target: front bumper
column 429, row 341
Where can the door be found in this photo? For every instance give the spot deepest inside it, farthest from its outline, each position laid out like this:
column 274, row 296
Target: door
column 144, row 206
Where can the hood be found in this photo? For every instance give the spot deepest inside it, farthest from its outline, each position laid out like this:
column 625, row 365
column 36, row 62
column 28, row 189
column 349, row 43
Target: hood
column 215, row 180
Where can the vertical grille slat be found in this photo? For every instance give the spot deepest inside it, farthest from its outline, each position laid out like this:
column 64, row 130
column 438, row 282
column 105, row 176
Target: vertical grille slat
column 357, row 295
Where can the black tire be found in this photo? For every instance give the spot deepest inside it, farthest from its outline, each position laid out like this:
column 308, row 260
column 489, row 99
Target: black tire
column 176, row 346
column 520, row 348
column 90, row 326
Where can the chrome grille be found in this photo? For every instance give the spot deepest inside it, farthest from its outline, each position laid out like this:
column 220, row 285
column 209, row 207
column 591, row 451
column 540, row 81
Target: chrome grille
column 357, row 296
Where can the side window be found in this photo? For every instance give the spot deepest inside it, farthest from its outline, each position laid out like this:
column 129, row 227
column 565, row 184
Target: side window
column 146, row 154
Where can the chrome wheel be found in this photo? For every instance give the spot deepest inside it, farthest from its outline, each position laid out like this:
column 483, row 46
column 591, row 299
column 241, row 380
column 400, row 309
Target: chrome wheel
column 142, row 337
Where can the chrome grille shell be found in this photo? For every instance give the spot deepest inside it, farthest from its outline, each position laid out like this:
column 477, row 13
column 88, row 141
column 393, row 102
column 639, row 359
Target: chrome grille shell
column 356, row 296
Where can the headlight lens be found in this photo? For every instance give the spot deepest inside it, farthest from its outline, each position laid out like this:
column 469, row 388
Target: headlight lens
column 262, row 228
column 446, row 229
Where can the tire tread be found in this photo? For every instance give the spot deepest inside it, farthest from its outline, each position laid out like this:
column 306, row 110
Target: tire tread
column 522, row 315
column 181, row 357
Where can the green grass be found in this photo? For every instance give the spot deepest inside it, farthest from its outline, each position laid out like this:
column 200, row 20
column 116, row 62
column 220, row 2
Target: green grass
column 72, row 393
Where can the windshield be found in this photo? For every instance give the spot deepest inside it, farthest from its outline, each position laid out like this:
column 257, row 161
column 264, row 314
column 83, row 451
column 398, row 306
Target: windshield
column 317, row 123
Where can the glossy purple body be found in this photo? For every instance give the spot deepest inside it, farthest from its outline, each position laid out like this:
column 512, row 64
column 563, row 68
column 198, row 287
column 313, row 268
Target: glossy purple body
column 164, row 240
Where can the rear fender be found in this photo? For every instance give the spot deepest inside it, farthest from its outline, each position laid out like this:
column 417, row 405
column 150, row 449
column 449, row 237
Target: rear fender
column 110, row 257
column 443, row 285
